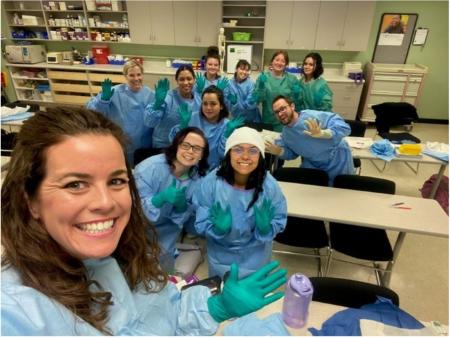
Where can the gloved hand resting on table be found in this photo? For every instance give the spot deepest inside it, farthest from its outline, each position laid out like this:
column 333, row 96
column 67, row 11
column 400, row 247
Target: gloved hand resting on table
column 315, row 131
column 241, row 297
column 107, row 90
column 172, row 195
column 264, row 216
column 220, row 218
column 273, row 149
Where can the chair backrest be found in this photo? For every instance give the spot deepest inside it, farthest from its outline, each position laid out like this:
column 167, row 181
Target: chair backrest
column 358, row 128
column 364, row 183
column 349, row 293
column 302, row 175
column 390, row 114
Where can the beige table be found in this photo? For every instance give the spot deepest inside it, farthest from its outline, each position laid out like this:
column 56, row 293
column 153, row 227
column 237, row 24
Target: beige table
column 369, row 209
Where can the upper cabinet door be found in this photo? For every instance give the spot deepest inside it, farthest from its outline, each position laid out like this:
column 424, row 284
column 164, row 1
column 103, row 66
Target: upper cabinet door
column 139, row 21
column 358, row 25
column 278, row 24
column 209, row 19
column 304, row 24
column 332, row 16
column 162, row 27
column 185, row 23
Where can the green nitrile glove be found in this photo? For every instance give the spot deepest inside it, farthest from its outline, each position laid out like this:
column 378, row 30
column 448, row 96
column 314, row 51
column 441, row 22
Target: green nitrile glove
column 220, row 218
column 264, row 216
column 171, row 195
column 107, row 90
column 262, row 79
column 222, row 83
column 296, row 89
column 233, row 124
column 232, row 98
column 161, row 89
column 180, row 203
column 185, row 115
column 241, row 297
column 200, row 81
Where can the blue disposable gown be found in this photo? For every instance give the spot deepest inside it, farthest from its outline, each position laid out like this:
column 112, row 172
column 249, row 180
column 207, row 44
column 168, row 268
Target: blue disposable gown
column 152, row 176
column 165, row 118
column 275, row 86
column 209, row 83
column 331, row 155
column 27, row 312
column 245, row 105
column 243, row 244
column 215, row 134
column 316, row 95
column 126, row 108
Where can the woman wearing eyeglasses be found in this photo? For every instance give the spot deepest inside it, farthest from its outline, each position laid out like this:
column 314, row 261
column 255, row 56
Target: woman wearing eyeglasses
column 166, row 183
column 240, row 207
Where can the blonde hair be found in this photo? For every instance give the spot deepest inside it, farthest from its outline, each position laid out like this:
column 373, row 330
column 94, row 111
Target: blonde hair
column 131, row 64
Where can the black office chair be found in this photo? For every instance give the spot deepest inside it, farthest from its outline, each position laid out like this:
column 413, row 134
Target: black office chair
column 349, row 293
column 389, row 114
column 358, row 129
column 302, row 232
column 364, row 243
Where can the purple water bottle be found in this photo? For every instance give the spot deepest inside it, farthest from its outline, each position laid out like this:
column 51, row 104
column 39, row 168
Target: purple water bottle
column 297, row 297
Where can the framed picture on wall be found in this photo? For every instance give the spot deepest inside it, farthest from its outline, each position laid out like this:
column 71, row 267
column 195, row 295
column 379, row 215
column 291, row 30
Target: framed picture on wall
column 394, row 37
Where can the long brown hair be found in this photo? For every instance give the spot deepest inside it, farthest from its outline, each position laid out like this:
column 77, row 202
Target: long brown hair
column 40, row 261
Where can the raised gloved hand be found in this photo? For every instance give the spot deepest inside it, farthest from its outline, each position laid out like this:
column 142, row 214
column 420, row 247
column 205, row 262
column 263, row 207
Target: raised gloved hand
column 314, row 129
column 233, row 124
column 200, row 80
column 273, row 149
column 107, row 90
column 220, row 218
column 232, row 98
column 264, row 216
column 241, row 297
column 172, row 195
column 222, row 83
column 161, row 89
column 185, row 115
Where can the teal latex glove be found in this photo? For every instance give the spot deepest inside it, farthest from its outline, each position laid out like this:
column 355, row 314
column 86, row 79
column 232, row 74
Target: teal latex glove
column 233, row 124
column 200, row 81
column 296, row 90
column 222, row 83
column 232, row 98
column 264, row 216
column 262, row 80
column 107, row 90
column 185, row 115
column 161, row 89
column 172, row 195
column 241, row 297
column 220, row 218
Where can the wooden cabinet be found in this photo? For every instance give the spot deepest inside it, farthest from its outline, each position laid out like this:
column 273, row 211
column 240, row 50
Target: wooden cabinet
column 346, row 96
column 344, row 25
column 196, row 23
column 390, row 83
column 151, row 22
column 291, row 24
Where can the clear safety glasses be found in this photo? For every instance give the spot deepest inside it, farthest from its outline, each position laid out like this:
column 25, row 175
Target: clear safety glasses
column 238, row 150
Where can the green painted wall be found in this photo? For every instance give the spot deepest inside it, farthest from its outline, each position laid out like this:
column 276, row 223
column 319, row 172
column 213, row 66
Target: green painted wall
column 432, row 15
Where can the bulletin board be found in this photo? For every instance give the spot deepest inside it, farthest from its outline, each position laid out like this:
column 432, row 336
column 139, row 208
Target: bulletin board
column 394, row 37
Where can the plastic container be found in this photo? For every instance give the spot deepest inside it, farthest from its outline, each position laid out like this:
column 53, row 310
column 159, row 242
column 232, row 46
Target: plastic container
column 241, row 36
column 297, row 298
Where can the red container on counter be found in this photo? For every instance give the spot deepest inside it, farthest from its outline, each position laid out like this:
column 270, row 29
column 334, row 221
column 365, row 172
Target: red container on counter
column 100, row 54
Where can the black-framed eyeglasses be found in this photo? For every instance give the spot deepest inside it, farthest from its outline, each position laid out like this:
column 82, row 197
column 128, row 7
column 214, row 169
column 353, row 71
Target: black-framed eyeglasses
column 281, row 109
column 187, row 146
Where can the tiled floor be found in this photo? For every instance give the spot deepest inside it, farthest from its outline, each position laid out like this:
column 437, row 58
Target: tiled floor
column 420, row 274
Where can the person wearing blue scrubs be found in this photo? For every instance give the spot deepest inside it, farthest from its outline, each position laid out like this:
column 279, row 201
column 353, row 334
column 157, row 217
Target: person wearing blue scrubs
column 212, row 120
column 125, row 105
column 166, row 183
column 315, row 92
column 76, row 260
column 316, row 136
column 240, row 207
column 240, row 91
column 162, row 115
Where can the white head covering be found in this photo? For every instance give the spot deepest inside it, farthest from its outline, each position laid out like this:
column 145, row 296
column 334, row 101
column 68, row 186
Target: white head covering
column 245, row 135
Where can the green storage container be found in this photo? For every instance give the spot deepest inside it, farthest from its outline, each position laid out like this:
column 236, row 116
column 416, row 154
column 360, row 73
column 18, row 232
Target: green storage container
column 242, row 36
